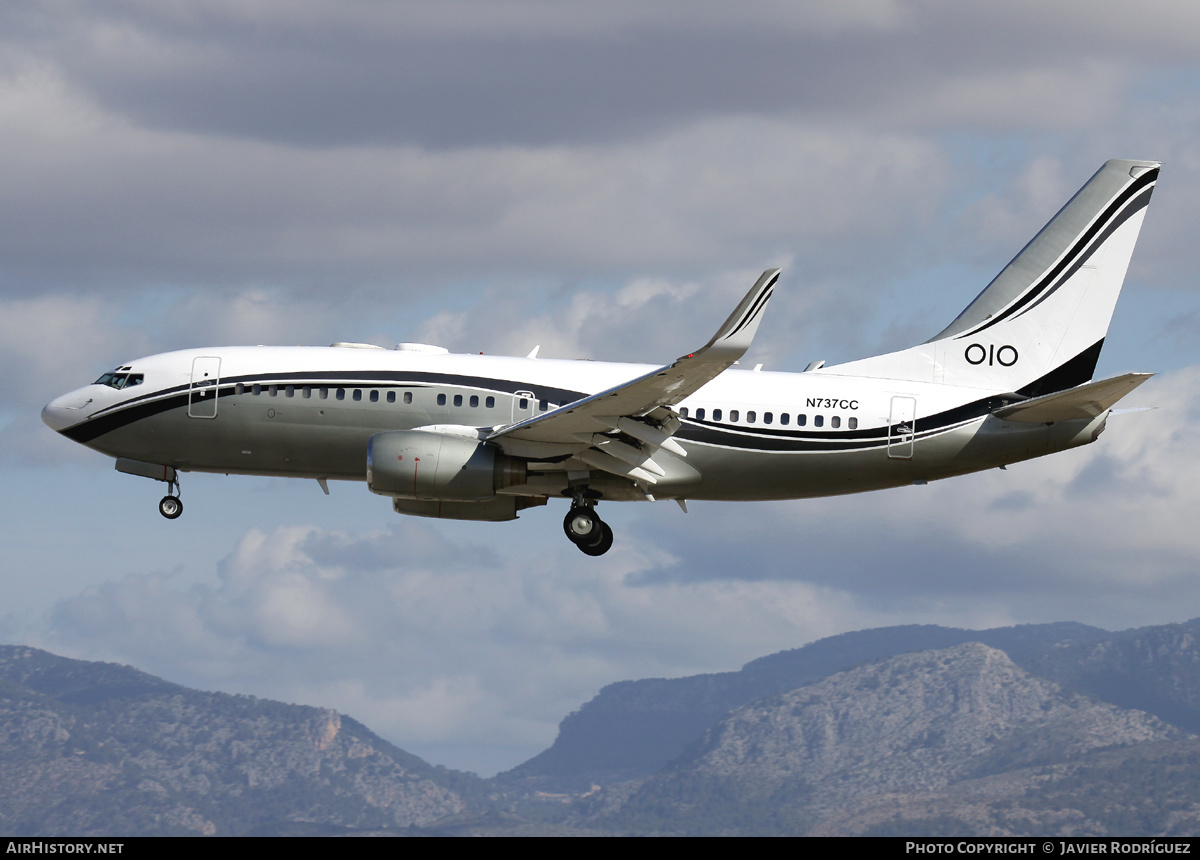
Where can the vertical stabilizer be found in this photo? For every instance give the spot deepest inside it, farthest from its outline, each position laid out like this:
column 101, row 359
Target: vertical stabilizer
column 1039, row 325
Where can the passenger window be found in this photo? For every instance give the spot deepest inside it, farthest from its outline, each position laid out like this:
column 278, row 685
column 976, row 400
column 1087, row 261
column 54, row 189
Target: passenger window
column 523, row 404
column 341, row 394
column 683, row 412
column 734, row 415
column 768, row 418
column 801, row 420
column 358, row 394
column 239, row 389
column 543, row 405
column 716, row 415
column 700, row 414
column 441, row 401
column 490, row 403
column 291, row 391
column 274, row 390
column 835, row 422
column 751, row 417
column 818, row 420
column 391, row 397
column 474, row 401
column 784, row 418
column 374, row 395
column 324, row 393
column 458, row 400
column 307, row 391
column 852, row 423
column 408, row 397
column 256, row 389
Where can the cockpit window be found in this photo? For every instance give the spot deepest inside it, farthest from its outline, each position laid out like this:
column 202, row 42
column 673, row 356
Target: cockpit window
column 120, row 380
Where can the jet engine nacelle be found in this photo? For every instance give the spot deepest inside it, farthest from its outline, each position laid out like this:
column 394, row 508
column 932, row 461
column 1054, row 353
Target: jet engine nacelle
column 426, row 465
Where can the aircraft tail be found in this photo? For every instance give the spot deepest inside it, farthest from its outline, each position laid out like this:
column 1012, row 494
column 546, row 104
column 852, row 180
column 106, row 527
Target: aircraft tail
column 1039, row 325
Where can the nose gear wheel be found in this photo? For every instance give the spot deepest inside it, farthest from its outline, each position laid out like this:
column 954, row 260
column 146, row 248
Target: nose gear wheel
column 170, row 507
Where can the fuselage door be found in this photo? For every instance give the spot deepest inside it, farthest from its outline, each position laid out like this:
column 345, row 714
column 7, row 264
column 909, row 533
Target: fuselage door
column 202, row 395
column 902, row 427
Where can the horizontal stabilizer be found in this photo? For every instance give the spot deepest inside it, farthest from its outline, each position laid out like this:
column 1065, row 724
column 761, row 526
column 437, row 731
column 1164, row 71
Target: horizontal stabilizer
column 1086, row 401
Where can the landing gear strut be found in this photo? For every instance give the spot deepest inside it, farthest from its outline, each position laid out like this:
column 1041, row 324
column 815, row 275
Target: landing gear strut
column 585, row 529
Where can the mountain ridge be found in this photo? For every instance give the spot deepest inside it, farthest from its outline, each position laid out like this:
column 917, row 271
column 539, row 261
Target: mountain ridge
column 1066, row 729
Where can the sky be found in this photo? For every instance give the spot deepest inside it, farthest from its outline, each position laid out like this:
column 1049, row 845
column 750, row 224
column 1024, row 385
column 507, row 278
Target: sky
column 604, row 180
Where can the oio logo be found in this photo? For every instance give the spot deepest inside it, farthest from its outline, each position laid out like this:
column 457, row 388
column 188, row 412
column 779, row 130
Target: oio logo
column 1005, row 356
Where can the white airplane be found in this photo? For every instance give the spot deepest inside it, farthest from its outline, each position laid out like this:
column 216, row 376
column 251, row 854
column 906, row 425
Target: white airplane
column 481, row 438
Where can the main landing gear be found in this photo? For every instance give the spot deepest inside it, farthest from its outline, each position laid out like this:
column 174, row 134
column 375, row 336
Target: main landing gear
column 585, row 529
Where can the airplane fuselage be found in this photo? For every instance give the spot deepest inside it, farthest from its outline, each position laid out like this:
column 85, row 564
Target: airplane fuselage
column 749, row 435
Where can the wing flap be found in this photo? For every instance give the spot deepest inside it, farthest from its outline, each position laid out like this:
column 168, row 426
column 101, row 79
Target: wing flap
column 1086, row 401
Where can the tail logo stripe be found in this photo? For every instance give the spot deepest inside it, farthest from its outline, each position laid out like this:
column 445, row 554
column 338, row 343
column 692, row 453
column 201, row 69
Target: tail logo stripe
column 1115, row 215
column 1139, row 203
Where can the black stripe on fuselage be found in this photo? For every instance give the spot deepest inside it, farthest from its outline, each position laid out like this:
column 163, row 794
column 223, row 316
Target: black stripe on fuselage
column 763, row 439
column 1074, row 372
column 96, row 427
column 1071, row 374
column 1083, row 247
column 414, row 379
column 155, row 403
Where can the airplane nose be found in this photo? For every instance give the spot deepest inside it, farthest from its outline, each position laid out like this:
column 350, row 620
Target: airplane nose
column 53, row 417
column 66, row 411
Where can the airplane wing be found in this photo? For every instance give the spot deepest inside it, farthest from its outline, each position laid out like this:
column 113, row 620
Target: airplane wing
column 620, row 406
column 1086, row 401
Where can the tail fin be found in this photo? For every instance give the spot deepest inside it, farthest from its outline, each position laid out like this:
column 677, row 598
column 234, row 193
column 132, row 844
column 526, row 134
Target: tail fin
column 1043, row 319
column 1039, row 325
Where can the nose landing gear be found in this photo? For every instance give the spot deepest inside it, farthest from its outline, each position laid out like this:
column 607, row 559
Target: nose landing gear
column 170, row 505
column 585, row 529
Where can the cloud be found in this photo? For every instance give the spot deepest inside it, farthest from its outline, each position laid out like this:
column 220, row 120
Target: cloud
column 468, row 74
column 1078, row 96
column 92, row 202
column 387, row 215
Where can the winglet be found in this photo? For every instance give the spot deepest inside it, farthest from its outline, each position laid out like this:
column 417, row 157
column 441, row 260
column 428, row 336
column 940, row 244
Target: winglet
column 734, row 337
